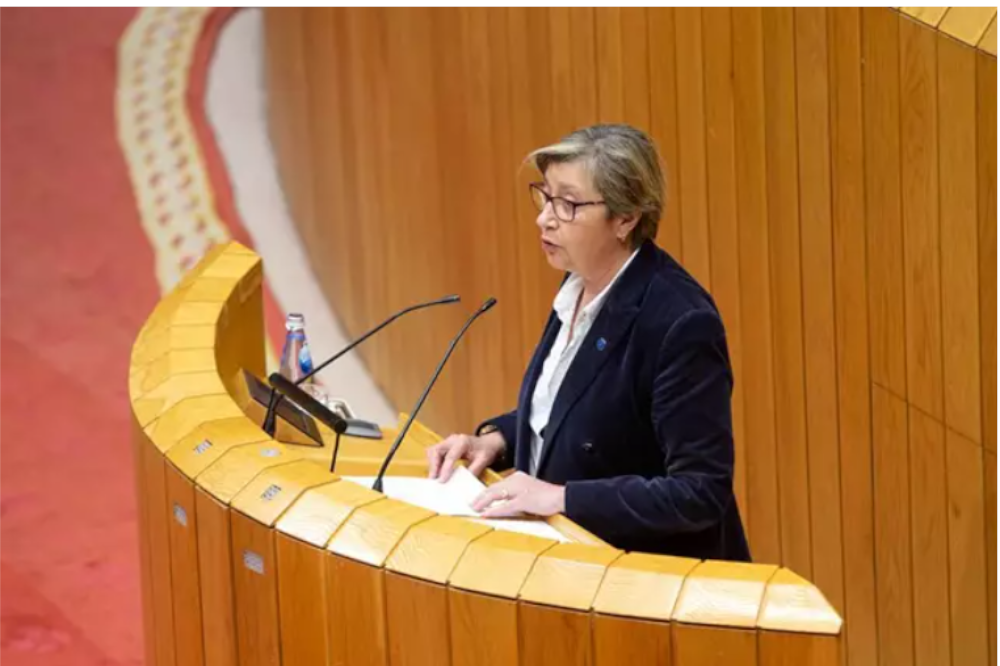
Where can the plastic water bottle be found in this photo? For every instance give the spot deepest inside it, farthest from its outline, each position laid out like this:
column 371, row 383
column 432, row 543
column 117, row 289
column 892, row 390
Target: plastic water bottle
column 296, row 361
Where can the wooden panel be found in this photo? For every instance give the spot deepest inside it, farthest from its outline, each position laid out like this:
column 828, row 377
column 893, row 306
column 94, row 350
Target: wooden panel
column 139, row 443
column 921, row 233
column 626, row 641
column 929, row 523
column 967, row 551
column 929, row 15
column 568, row 575
column 635, row 53
column 986, row 178
column 610, row 66
column 553, row 636
column 967, row 24
column 727, row 594
column 417, row 620
column 989, row 41
column 713, row 645
column 663, row 124
column 758, row 380
column 643, row 586
column 851, row 303
column 355, row 596
column 483, row 629
column 956, row 76
column 723, row 213
column 793, row 604
column 788, row 649
column 818, row 307
column 301, row 602
column 882, row 206
column 786, row 287
column 215, row 564
column 692, row 182
column 892, row 529
column 255, row 592
column 158, row 536
column 991, row 549
column 182, row 527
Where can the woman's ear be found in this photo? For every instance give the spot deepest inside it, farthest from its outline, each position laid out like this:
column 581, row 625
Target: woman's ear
column 625, row 225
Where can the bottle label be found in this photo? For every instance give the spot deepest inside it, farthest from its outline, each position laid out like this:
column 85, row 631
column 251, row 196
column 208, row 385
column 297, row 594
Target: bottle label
column 305, row 360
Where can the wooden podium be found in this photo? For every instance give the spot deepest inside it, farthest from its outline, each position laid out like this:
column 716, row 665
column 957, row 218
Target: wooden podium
column 253, row 553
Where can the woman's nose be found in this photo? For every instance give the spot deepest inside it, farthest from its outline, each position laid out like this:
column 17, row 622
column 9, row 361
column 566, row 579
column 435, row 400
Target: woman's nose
column 545, row 219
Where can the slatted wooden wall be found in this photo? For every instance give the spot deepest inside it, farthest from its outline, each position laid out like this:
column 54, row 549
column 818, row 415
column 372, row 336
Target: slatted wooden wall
column 832, row 180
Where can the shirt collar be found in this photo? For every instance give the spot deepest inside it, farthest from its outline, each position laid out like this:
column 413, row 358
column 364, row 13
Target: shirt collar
column 565, row 300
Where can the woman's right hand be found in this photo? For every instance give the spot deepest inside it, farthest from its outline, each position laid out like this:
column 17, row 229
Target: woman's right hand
column 478, row 452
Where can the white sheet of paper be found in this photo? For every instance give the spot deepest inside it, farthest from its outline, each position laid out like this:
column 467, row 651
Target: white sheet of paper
column 454, row 498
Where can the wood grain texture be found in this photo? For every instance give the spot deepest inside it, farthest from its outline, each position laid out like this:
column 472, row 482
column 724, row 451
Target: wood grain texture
column 182, row 527
column 918, row 133
column 929, row 525
column 416, row 615
column 990, row 464
column 691, row 166
column 986, row 179
column 713, row 645
column 851, row 304
column 663, row 123
column 723, row 213
column 355, row 597
column 893, row 553
column 819, row 328
column 550, row 635
column 620, row 640
column 781, row 130
column 483, row 629
column 158, row 536
column 139, row 442
column 789, row 649
column 301, row 601
column 956, row 76
column 880, row 51
column 758, row 369
column 967, row 551
column 216, row 569
column 255, row 593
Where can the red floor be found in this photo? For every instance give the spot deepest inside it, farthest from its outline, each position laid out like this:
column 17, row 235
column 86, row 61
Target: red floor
column 76, row 283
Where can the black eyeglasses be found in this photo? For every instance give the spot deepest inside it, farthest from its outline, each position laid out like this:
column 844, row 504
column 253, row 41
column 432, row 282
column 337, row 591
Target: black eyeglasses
column 564, row 209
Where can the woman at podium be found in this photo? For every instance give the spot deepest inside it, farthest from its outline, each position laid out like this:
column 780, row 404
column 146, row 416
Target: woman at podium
column 623, row 421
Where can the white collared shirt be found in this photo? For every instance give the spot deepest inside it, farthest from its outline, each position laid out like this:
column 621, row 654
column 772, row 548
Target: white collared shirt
column 562, row 353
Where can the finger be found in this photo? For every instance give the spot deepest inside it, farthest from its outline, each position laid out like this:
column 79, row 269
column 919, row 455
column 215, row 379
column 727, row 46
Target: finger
column 448, row 466
column 434, row 456
column 480, row 462
column 486, row 498
column 509, row 509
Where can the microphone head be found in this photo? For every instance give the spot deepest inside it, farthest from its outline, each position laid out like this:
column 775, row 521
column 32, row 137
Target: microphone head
column 454, row 298
column 490, row 302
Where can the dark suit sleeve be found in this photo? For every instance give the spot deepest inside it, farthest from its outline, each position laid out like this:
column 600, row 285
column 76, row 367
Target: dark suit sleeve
column 692, row 421
column 507, row 425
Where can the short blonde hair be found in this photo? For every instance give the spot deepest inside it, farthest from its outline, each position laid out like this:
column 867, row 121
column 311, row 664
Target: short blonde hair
column 625, row 167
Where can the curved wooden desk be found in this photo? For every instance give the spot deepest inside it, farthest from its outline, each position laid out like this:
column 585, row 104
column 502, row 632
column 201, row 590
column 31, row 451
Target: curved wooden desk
column 253, row 553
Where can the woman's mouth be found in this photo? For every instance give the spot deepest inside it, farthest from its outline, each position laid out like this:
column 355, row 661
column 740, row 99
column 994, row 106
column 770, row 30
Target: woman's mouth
column 549, row 247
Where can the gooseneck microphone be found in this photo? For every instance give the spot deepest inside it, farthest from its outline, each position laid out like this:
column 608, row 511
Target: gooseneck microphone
column 270, row 416
column 490, row 302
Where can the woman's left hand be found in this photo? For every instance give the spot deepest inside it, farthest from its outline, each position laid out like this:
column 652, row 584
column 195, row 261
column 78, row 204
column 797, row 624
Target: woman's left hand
column 520, row 494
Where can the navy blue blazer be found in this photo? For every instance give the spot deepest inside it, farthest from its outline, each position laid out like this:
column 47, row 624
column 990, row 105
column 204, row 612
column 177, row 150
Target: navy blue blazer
column 641, row 429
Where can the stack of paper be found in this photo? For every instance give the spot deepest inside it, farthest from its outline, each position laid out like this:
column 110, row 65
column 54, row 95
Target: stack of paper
column 454, row 498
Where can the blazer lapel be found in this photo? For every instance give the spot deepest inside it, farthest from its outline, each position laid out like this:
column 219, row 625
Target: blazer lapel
column 522, row 447
column 608, row 331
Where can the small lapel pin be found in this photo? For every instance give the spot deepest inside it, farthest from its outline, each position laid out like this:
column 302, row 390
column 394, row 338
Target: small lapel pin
column 601, row 344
